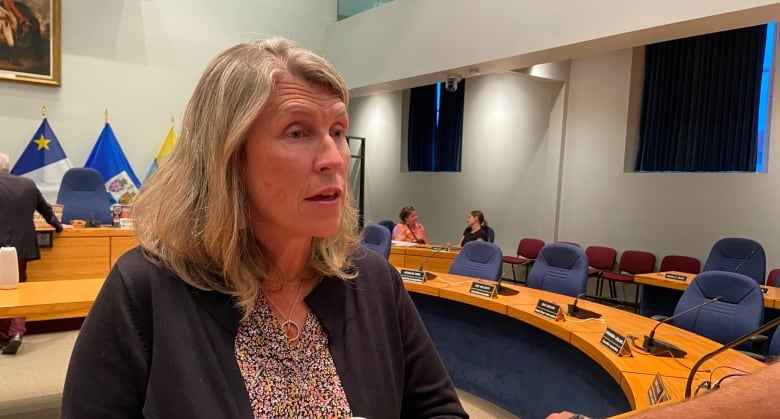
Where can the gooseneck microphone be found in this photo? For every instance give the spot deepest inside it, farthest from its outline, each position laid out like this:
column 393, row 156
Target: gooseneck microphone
column 660, row 348
column 428, row 257
column 579, row 312
column 733, row 343
column 745, row 259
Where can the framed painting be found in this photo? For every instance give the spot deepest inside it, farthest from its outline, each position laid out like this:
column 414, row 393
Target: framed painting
column 30, row 41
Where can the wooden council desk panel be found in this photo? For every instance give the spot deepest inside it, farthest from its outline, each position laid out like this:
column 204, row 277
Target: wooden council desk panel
column 658, row 279
column 633, row 374
column 47, row 300
column 412, row 257
column 80, row 253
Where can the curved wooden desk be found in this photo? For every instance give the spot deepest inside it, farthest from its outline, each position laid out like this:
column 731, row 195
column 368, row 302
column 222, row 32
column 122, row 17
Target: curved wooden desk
column 446, row 298
column 47, row 300
column 80, row 253
column 661, row 294
column 412, row 257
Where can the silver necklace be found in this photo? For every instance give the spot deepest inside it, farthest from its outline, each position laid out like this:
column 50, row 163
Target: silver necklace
column 291, row 329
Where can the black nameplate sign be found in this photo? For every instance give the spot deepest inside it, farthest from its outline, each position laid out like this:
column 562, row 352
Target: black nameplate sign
column 657, row 392
column 677, row 277
column 413, row 276
column 549, row 310
column 615, row 342
column 764, row 290
column 483, row 290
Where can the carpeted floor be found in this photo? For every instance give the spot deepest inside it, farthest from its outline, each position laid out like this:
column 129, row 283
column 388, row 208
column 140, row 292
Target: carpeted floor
column 36, row 393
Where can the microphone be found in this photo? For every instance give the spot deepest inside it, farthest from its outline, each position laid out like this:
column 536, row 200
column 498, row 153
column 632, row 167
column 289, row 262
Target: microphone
column 745, row 259
column 660, row 348
column 428, row 257
column 733, row 343
column 580, row 312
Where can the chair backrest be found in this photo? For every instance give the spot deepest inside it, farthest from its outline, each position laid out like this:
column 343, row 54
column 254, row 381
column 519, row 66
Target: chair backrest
column 491, row 234
column 478, row 259
column 771, row 279
column 740, row 309
column 636, row 262
column 389, row 224
column 377, row 238
column 680, row 264
column 84, row 197
column 737, row 254
column 601, row 257
column 571, row 243
column 774, row 344
column 560, row 268
column 529, row 248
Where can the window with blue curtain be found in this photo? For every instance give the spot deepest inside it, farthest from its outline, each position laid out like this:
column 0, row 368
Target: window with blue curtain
column 435, row 135
column 702, row 102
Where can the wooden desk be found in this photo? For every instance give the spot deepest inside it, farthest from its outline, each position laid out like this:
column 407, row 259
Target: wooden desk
column 47, row 300
column 670, row 298
column 632, row 374
column 80, row 253
column 412, row 257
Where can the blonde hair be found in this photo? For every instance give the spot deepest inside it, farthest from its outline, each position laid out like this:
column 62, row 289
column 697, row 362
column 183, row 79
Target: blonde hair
column 191, row 215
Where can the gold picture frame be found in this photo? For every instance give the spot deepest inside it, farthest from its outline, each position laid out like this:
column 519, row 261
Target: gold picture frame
column 30, row 41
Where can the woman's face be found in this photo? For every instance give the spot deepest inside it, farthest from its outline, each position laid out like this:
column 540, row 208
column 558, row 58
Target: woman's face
column 470, row 220
column 296, row 162
column 411, row 219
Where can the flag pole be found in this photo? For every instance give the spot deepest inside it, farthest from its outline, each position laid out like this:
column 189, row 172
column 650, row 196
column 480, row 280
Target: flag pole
column 106, row 115
column 43, row 111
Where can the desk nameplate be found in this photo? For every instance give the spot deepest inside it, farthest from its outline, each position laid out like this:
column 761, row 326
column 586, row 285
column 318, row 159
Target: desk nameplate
column 413, row 276
column 483, row 290
column 615, row 342
column 657, row 392
column 550, row 310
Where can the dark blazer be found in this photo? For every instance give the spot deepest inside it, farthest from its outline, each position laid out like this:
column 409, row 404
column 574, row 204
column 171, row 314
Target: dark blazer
column 155, row 347
column 19, row 199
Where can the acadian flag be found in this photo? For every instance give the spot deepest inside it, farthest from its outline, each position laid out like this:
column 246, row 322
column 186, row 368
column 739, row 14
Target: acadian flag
column 108, row 158
column 165, row 149
column 44, row 162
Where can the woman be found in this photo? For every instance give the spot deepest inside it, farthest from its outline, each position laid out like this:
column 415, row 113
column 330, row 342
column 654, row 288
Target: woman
column 262, row 304
column 476, row 228
column 409, row 230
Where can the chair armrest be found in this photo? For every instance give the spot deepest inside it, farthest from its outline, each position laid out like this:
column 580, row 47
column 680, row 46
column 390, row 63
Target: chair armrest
column 758, row 342
column 755, row 356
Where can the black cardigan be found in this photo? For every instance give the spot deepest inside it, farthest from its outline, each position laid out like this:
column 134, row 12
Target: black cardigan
column 154, row 347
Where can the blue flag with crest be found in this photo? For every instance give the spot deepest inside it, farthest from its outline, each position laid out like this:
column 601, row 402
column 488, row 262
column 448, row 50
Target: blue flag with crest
column 108, row 158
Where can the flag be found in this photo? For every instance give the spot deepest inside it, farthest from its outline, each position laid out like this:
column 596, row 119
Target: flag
column 165, row 149
column 44, row 162
column 108, row 158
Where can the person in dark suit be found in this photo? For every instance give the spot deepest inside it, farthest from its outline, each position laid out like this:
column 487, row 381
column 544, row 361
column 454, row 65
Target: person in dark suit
column 19, row 199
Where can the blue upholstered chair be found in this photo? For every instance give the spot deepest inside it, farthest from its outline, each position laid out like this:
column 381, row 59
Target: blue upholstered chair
column 740, row 309
column 84, row 197
column 736, row 254
column 389, row 224
column 491, row 234
column 377, row 238
column 478, row 259
column 561, row 268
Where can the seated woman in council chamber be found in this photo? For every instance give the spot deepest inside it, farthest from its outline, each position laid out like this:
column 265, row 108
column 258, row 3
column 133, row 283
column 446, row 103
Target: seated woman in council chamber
column 476, row 228
column 409, row 230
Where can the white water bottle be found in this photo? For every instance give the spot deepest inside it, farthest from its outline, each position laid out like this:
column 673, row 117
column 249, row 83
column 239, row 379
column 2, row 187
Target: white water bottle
column 9, row 268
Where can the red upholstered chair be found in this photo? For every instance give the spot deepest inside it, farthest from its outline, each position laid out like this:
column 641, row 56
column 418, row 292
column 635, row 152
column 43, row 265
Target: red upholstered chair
column 600, row 259
column 632, row 262
column 527, row 251
column 771, row 279
column 680, row 263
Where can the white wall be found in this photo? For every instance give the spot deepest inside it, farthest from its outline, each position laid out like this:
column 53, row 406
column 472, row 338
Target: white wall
column 140, row 59
column 509, row 151
column 407, row 43
column 664, row 213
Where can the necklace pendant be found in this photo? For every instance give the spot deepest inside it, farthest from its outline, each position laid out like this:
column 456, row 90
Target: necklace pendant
column 291, row 330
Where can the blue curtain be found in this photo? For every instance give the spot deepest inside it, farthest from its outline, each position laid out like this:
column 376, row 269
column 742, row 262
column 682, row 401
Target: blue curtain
column 435, row 146
column 700, row 103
